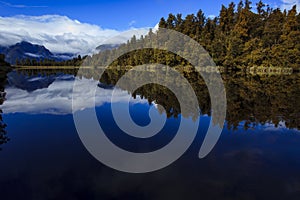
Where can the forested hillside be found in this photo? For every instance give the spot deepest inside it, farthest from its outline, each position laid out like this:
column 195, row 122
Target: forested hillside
column 240, row 37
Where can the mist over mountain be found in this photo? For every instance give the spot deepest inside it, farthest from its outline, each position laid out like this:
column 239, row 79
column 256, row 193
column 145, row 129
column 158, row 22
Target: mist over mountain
column 61, row 34
column 26, row 50
column 104, row 47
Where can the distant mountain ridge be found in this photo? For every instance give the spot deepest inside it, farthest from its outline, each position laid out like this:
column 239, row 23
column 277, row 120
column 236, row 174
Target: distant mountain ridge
column 104, row 47
column 24, row 50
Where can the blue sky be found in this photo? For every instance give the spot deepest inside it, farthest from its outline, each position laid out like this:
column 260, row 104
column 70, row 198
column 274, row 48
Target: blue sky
column 114, row 14
column 79, row 26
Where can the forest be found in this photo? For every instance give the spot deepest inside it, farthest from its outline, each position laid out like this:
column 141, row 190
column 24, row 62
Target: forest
column 240, row 37
column 77, row 61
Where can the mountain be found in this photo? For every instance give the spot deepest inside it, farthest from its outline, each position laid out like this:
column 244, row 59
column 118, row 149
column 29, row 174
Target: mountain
column 64, row 56
column 24, row 50
column 104, row 47
column 27, row 83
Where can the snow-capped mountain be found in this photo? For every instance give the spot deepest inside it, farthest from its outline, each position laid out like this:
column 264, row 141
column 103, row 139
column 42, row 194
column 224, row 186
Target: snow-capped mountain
column 23, row 50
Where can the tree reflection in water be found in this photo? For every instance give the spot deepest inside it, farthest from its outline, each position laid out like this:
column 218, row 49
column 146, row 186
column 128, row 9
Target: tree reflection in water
column 3, row 136
column 251, row 99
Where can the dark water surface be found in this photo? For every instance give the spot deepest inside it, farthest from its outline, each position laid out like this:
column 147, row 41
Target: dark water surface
column 257, row 156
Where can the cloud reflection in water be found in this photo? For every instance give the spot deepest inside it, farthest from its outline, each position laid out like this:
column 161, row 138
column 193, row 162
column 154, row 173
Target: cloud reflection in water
column 57, row 97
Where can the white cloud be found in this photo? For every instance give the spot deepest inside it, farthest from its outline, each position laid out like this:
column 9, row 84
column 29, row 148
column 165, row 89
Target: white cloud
column 19, row 5
column 132, row 23
column 156, row 27
column 211, row 16
column 60, row 34
column 288, row 4
column 57, row 97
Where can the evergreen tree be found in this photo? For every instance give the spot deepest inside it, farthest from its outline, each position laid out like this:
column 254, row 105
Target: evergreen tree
column 236, row 39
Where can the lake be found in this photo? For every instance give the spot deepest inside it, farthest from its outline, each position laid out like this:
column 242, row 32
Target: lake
column 42, row 156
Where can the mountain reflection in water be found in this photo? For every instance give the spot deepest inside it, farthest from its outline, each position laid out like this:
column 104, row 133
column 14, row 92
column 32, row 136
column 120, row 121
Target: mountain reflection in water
column 257, row 156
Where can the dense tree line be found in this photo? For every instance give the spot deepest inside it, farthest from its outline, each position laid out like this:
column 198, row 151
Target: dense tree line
column 2, row 61
column 239, row 37
column 77, row 61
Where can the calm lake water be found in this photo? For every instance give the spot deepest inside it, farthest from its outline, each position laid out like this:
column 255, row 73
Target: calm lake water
column 42, row 157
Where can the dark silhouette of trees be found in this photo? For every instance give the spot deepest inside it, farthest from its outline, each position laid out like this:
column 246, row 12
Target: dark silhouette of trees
column 4, row 68
column 77, row 61
column 3, row 63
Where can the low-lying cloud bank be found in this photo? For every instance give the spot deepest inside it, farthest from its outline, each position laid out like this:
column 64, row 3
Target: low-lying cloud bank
column 60, row 34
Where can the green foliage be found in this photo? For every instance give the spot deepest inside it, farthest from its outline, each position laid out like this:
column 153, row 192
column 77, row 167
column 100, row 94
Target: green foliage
column 237, row 39
column 77, row 61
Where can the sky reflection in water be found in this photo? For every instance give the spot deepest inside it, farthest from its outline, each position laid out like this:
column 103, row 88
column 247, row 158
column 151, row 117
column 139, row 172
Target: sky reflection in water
column 45, row 158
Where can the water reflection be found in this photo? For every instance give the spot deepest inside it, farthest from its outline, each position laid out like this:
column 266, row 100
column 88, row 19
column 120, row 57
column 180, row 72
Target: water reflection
column 257, row 156
column 35, row 95
column 251, row 99
column 3, row 137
